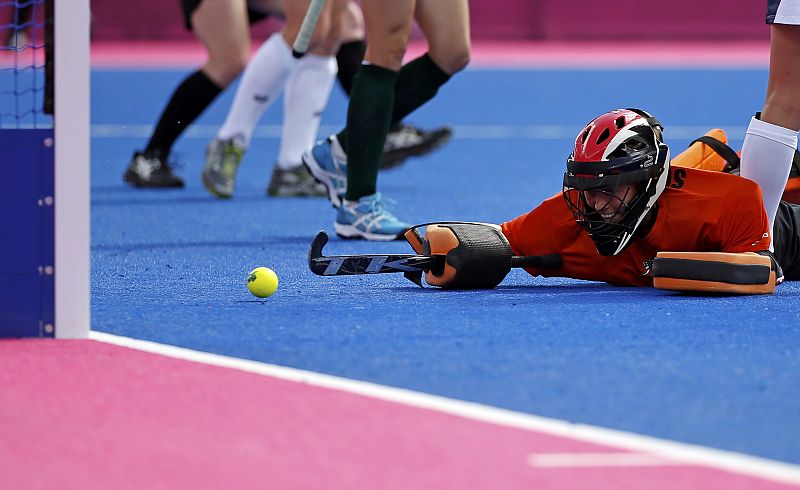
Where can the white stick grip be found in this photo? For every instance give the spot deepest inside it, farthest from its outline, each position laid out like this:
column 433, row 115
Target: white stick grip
column 307, row 28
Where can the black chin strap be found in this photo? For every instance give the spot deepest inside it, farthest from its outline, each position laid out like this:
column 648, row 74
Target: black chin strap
column 652, row 121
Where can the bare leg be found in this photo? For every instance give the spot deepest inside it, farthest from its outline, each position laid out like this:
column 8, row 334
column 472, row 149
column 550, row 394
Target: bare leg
column 221, row 25
column 782, row 106
column 446, row 27
column 388, row 24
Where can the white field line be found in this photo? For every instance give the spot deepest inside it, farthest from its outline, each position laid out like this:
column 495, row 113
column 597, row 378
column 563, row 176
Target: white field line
column 585, row 460
column 680, row 452
column 473, row 132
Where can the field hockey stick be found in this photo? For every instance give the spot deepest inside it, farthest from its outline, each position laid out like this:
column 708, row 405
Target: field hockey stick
column 307, row 28
column 344, row 265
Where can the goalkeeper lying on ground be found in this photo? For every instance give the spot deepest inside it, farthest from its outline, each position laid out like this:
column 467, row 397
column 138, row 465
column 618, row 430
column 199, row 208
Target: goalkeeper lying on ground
column 628, row 217
column 623, row 203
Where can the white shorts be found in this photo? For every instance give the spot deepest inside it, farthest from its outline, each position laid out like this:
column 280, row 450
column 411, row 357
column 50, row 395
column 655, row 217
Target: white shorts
column 783, row 12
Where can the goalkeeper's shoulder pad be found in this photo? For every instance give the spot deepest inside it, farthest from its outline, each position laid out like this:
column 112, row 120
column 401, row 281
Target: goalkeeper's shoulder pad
column 709, row 152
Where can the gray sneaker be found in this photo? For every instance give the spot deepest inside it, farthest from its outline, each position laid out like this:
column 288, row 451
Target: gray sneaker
column 296, row 182
column 219, row 173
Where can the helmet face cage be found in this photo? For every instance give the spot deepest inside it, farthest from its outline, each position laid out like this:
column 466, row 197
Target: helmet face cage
column 619, row 160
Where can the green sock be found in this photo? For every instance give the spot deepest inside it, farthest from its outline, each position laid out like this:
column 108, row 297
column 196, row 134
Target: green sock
column 417, row 83
column 368, row 117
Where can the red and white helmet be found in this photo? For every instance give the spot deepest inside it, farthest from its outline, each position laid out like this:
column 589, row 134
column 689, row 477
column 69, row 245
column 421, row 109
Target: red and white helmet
column 623, row 147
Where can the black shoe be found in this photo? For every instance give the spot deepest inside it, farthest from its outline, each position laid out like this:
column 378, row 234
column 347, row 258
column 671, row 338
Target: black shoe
column 405, row 141
column 152, row 172
column 296, row 182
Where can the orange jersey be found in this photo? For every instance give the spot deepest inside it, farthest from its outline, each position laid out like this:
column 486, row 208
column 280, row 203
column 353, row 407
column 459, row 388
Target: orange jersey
column 699, row 211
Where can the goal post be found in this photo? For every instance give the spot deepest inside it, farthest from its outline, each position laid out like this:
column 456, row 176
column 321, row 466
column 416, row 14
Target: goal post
column 71, row 124
column 44, row 152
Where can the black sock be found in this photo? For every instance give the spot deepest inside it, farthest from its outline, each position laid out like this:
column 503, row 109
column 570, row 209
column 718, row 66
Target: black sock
column 349, row 59
column 417, row 83
column 188, row 101
column 368, row 116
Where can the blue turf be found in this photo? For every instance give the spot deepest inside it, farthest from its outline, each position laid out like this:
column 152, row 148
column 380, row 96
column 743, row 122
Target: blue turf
column 170, row 266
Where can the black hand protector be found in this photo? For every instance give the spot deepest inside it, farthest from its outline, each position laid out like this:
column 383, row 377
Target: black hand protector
column 476, row 255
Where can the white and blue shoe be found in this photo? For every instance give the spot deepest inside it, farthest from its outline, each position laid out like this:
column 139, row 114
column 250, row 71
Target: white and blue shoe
column 369, row 219
column 327, row 162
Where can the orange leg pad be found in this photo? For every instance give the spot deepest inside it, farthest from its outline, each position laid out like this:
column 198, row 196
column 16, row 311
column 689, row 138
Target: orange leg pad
column 714, row 272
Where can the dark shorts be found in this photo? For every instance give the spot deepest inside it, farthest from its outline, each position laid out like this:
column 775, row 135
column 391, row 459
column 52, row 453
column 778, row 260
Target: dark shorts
column 786, row 233
column 772, row 8
column 189, row 6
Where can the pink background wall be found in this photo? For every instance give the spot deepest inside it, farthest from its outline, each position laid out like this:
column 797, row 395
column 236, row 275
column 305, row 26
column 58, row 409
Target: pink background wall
column 501, row 19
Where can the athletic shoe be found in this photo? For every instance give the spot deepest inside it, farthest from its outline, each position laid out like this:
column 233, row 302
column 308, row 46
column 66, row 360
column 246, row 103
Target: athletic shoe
column 328, row 164
column 405, row 141
column 219, row 173
column 369, row 219
column 295, row 182
column 151, row 172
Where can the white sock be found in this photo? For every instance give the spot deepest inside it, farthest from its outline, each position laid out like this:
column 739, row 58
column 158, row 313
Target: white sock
column 767, row 155
column 307, row 92
column 262, row 83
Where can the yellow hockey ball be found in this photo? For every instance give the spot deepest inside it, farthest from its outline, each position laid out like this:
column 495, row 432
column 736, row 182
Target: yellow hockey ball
column 262, row 282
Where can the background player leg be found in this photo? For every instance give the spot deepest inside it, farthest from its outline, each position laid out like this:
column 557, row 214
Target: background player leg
column 222, row 27
column 307, row 93
column 446, row 25
column 362, row 213
column 770, row 143
column 403, row 140
column 263, row 81
column 352, row 46
column 377, row 87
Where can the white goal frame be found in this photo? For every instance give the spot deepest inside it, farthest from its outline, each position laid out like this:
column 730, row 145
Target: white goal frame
column 71, row 127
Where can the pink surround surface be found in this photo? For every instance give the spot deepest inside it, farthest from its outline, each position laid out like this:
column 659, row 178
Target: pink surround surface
column 746, row 54
column 89, row 415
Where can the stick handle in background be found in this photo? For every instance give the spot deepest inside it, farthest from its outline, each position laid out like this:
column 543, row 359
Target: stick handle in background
column 307, row 28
